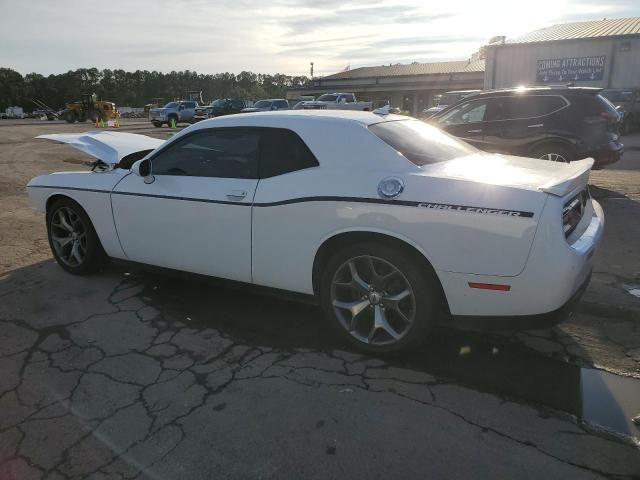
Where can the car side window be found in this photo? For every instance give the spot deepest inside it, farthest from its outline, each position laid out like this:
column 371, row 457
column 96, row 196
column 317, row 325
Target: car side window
column 521, row 107
column 283, row 151
column 222, row 152
column 191, row 104
column 349, row 98
column 282, row 104
column 468, row 112
column 238, row 104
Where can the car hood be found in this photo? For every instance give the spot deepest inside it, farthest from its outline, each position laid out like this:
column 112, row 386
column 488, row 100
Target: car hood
column 110, row 147
column 555, row 178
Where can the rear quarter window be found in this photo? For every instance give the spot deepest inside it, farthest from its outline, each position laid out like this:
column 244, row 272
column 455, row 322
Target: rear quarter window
column 283, row 151
column 420, row 143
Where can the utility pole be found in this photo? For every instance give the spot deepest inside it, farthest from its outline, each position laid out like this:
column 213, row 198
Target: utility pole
column 311, row 63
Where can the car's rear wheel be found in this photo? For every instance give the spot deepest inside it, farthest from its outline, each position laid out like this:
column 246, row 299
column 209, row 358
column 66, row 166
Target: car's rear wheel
column 553, row 152
column 379, row 297
column 72, row 238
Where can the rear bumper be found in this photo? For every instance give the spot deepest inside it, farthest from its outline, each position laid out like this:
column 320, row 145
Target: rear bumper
column 606, row 155
column 519, row 322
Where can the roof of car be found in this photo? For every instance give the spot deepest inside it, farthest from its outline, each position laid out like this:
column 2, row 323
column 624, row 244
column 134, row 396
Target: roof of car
column 462, row 91
column 263, row 118
column 539, row 90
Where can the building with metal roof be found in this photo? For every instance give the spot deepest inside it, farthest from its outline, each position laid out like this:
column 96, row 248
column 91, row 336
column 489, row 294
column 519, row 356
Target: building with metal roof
column 599, row 53
column 412, row 87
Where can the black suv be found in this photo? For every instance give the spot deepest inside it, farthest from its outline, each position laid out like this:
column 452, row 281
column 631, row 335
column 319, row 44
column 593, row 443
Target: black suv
column 219, row 107
column 551, row 123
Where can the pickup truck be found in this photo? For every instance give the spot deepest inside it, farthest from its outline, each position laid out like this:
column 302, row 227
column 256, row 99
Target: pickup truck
column 180, row 111
column 337, row 101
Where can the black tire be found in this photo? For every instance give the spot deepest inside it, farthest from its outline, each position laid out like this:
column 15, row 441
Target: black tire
column 551, row 150
column 157, row 124
column 426, row 300
column 625, row 129
column 69, row 116
column 96, row 115
column 94, row 257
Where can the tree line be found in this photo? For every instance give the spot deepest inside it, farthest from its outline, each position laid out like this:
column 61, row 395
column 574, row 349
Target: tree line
column 136, row 89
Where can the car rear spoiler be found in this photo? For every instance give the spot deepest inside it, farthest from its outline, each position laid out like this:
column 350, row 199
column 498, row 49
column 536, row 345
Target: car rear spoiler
column 574, row 178
column 108, row 147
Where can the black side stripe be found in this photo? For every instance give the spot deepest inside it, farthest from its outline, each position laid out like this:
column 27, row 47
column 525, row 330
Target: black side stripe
column 377, row 201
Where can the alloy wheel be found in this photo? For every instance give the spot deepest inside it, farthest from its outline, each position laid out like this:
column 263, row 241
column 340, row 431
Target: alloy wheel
column 373, row 300
column 554, row 157
column 69, row 236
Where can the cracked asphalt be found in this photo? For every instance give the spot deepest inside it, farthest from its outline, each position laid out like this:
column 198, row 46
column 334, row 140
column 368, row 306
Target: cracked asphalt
column 134, row 374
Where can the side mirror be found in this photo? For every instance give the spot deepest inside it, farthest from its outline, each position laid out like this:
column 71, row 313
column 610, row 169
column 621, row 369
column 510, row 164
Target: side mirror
column 181, row 107
column 142, row 168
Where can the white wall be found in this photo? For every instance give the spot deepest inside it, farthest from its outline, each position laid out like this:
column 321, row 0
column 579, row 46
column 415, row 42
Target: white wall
column 513, row 65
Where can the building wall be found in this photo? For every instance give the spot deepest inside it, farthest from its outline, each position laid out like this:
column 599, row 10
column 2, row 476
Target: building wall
column 513, row 65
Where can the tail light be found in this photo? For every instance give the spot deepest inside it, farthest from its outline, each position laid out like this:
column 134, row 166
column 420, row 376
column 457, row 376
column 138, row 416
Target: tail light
column 573, row 211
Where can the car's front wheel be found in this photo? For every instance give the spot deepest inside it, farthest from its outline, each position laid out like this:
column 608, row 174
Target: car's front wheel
column 72, row 238
column 157, row 124
column 380, row 298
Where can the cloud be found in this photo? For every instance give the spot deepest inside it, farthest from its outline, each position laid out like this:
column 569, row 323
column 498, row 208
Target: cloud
column 268, row 36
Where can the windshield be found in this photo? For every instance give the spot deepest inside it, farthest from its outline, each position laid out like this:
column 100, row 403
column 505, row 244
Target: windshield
column 421, row 143
column 262, row 104
column 171, row 105
column 618, row 95
column 218, row 103
column 449, row 99
column 327, row 97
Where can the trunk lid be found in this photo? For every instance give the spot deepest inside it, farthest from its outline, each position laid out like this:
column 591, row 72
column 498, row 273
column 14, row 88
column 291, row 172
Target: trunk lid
column 555, row 178
column 109, row 147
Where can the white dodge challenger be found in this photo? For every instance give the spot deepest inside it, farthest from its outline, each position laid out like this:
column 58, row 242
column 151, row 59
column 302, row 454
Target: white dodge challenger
column 392, row 224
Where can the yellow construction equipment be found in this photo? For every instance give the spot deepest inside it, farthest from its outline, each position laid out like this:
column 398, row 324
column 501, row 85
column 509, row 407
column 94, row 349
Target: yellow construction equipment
column 89, row 108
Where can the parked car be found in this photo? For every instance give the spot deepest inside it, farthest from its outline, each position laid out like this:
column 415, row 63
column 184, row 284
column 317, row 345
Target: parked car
column 446, row 99
column 178, row 111
column 551, row 123
column 628, row 103
column 268, row 105
column 337, row 101
column 220, row 107
column 393, row 225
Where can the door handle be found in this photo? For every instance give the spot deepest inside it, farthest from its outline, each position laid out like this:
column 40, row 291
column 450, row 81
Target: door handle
column 236, row 195
column 537, row 125
column 475, row 131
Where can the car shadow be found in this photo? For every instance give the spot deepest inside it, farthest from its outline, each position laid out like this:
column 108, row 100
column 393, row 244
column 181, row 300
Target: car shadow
column 491, row 363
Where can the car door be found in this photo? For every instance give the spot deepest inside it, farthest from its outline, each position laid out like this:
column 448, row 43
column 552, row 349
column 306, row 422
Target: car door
column 513, row 123
column 194, row 212
column 189, row 110
column 466, row 121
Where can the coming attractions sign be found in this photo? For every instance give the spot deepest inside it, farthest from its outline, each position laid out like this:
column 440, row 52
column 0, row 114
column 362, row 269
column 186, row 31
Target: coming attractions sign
column 573, row 69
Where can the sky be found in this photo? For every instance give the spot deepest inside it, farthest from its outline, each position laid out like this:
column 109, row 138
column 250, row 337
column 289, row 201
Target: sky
column 274, row 36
